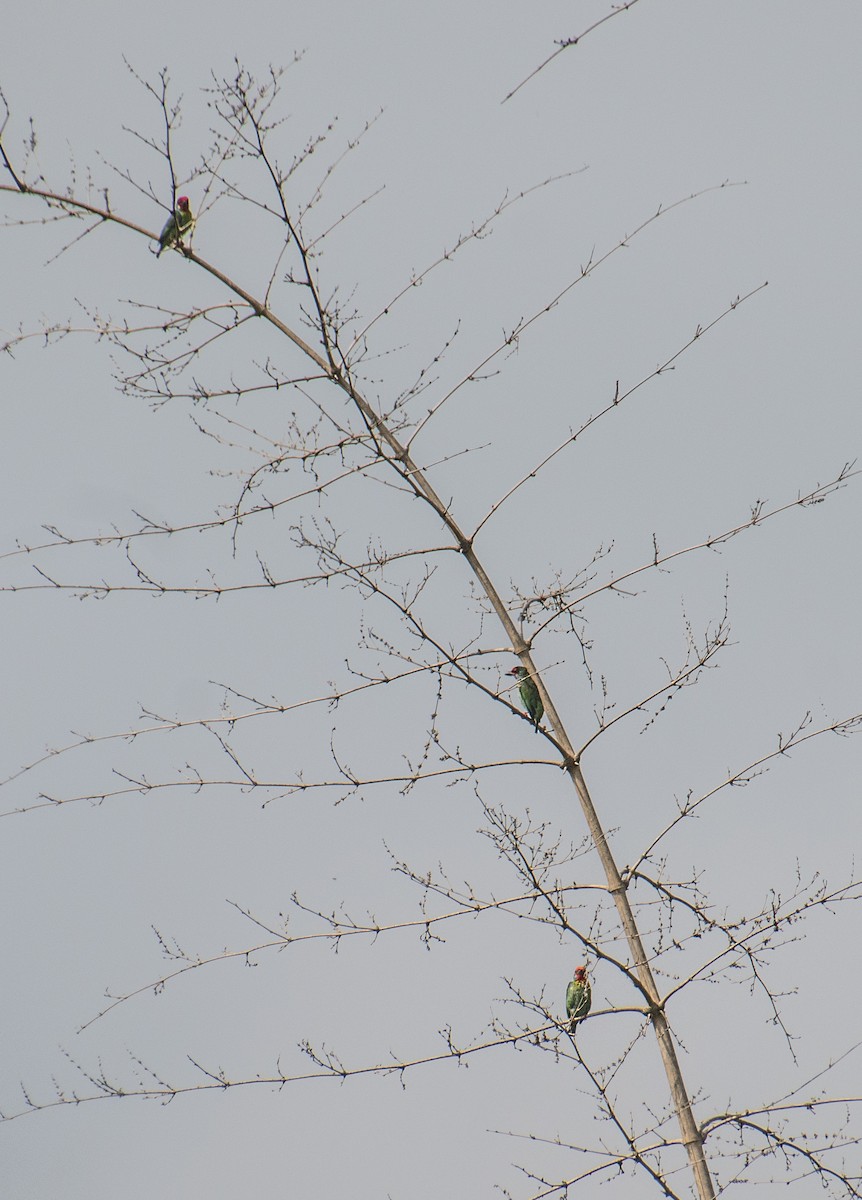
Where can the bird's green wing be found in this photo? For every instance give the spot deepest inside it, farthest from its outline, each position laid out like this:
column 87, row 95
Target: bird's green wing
column 531, row 700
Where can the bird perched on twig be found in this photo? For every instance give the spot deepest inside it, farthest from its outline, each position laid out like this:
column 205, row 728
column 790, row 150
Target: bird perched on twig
column 579, row 997
column 179, row 223
column 529, row 694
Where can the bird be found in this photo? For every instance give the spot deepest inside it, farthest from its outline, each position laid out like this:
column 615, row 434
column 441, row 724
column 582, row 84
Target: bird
column 529, row 694
column 178, row 223
column 579, row 997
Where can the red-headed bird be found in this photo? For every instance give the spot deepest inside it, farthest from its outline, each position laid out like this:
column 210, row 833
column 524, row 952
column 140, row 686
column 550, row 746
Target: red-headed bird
column 177, row 224
column 579, row 997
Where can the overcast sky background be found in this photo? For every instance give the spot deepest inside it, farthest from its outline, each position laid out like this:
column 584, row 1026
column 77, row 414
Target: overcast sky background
column 660, row 102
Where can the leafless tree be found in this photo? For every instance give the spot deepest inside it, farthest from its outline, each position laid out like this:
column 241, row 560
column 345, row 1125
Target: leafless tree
column 294, row 477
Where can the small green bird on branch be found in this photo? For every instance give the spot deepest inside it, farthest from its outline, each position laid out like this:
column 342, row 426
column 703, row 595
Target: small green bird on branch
column 529, row 694
column 579, row 997
column 180, row 222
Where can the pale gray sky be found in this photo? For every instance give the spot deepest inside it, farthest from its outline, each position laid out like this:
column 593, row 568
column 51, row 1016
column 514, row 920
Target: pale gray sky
column 661, row 102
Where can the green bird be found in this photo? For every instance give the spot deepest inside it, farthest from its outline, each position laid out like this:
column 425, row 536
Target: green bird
column 529, row 694
column 579, row 997
column 177, row 224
